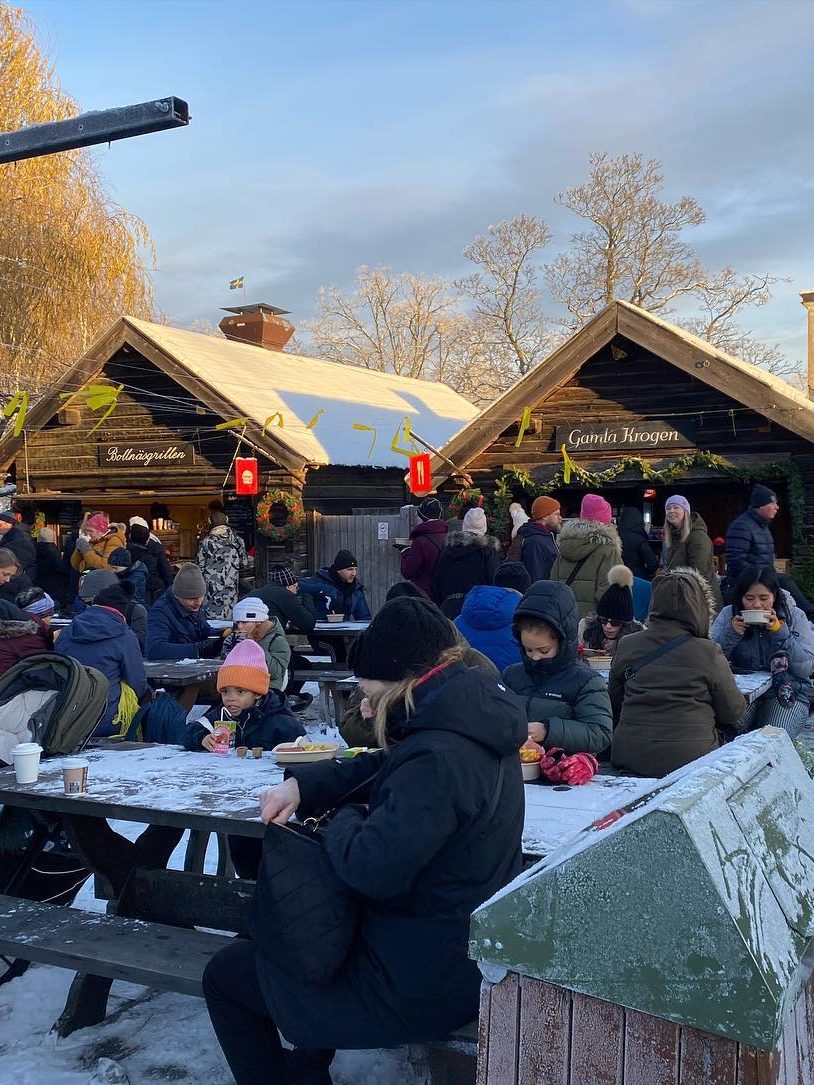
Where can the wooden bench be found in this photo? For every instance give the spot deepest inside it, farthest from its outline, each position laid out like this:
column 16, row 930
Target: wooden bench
column 335, row 683
column 110, row 946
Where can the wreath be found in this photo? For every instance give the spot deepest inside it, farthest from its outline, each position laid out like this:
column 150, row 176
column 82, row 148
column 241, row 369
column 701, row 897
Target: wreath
column 295, row 515
column 471, row 496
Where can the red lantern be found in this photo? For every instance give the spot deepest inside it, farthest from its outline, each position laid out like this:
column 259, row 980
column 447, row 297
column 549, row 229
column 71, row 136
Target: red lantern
column 247, row 475
column 420, row 474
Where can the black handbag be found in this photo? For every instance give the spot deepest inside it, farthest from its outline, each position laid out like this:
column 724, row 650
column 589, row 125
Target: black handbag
column 304, row 918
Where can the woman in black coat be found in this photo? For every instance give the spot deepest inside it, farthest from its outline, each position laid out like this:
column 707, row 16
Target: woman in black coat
column 52, row 572
column 637, row 553
column 441, row 834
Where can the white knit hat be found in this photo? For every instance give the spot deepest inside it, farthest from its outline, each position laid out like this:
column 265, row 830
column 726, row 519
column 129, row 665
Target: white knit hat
column 475, row 522
column 138, row 520
column 519, row 516
column 250, row 609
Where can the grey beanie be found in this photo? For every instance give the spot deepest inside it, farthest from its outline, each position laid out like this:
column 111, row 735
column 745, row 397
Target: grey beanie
column 189, row 582
column 95, row 581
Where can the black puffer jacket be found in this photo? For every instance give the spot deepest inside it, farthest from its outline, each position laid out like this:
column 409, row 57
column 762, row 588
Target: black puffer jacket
column 637, row 553
column 466, row 560
column 569, row 697
column 424, row 854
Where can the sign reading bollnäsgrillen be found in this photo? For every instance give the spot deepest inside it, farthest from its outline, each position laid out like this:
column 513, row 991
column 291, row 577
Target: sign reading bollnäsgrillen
column 607, row 437
column 147, row 455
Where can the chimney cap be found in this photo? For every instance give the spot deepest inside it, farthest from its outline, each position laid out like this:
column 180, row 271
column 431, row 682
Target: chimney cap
column 259, row 307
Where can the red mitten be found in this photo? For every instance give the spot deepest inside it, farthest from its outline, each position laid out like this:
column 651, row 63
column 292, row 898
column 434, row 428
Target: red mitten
column 550, row 764
column 579, row 768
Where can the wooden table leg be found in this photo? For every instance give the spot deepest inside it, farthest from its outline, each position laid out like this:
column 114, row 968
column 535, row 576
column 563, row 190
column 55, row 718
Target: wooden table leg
column 112, row 857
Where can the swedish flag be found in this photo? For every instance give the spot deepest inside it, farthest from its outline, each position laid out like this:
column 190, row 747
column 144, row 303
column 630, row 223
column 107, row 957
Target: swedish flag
column 236, row 284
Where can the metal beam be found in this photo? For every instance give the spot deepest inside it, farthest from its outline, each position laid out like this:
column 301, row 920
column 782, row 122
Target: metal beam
column 100, row 126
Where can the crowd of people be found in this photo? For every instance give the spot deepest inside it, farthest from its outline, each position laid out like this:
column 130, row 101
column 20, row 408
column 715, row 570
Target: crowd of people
column 477, row 650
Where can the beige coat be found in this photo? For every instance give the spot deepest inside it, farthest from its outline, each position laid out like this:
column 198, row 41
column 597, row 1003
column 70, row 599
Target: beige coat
column 600, row 546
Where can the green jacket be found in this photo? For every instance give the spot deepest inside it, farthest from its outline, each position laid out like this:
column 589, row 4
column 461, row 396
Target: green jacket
column 600, row 546
column 696, row 552
column 278, row 654
column 668, row 712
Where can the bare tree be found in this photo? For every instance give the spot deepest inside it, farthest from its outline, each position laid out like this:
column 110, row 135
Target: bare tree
column 632, row 249
column 720, row 299
column 505, row 291
column 390, row 323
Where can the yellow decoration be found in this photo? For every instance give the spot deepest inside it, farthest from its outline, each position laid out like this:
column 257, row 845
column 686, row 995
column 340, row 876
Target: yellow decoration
column 368, row 429
column 408, row 436
column 525, row 422
column 233, row 423
column 276, row 419
column 18, row 404
column 316, row 418
column 568, row 465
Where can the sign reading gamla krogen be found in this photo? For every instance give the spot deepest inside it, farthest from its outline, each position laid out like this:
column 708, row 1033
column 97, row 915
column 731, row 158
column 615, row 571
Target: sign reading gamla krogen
column 147, row 455
column 610, row 436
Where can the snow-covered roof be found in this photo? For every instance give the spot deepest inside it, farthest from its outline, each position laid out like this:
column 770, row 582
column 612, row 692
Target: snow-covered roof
column 239, row 380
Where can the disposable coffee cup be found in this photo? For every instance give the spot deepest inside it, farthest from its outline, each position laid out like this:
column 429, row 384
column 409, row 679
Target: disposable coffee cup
column 75, row 775
column 26, row 758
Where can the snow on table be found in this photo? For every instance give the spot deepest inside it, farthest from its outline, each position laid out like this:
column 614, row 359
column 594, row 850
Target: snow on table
column 751, row 686
column 156, row 779
column 554, row 818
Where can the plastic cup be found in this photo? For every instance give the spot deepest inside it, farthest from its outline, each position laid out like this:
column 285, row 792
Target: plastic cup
column 257, row 752
column 531, row 770
column 75, row 775
column 26, row 758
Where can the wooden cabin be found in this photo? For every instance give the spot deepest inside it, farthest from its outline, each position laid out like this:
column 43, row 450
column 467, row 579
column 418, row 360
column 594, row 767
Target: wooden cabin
column 639, row 409
column 135, row 427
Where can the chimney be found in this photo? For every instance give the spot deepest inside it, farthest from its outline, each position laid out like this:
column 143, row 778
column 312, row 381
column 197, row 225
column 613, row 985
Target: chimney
column 807, row 297
column 261, row 325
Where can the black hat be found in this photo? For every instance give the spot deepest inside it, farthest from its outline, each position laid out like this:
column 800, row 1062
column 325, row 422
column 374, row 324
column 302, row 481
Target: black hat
column 405, row 639
column 430, row 509
column 344, row 560
column 514, row 575
column 405, row 589
column 118, row 597
column 139, row 534
column 617, row 602
column 761, row 495
column 281, row 574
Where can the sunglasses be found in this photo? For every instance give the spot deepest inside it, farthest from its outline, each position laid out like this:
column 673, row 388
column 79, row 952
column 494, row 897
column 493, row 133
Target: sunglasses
column 611, row 623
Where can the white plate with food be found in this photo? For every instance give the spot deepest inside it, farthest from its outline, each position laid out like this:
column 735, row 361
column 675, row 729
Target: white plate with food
column 297, row 753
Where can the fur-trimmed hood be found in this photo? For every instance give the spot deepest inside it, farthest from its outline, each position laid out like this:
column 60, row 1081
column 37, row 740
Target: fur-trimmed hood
column 459, row 539
column 578, row 538
column 9, row 629
column 683, row 595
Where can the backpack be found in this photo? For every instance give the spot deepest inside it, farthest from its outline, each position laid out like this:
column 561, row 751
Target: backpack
column 65, row 722
column 161, row 720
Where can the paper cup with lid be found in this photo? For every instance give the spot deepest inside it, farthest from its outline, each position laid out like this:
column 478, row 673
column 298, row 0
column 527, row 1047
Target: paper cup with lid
column 26, row 758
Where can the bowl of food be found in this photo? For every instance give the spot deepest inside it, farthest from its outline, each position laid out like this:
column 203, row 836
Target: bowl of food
column 601, row 662
column 530, row 753
column 297, row 753
column 335, row 617
column 530, row 770
column 755, row 617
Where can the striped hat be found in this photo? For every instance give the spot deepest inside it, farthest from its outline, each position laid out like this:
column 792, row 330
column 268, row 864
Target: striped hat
column 282, row 574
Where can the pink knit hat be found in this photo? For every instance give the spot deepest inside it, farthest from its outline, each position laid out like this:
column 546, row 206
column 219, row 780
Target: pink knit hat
column 245, row 667
column 99, row 522
column 594, row 507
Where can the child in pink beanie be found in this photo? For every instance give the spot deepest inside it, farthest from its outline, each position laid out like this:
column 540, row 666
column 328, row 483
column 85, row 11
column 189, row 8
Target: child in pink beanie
column 256, row 715
column 594, row 507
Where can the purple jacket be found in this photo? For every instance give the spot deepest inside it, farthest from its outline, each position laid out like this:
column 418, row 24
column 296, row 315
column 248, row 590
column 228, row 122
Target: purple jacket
column 419, row 560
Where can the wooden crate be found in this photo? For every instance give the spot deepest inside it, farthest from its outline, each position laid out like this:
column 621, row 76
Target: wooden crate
column 533, row 1033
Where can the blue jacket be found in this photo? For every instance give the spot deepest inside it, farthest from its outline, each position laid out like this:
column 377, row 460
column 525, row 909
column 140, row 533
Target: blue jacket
column 538, row 551
column 327, row 595
column 174, row 633
column 748, row 542
column 99, row 638
column 137, row 576
column 270, row 722
column 486, row 623
column 754, row 650
column 642, row 590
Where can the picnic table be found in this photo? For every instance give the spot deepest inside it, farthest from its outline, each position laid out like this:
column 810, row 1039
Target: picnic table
column 186, row 676
column 147, row 936
column 339, row 635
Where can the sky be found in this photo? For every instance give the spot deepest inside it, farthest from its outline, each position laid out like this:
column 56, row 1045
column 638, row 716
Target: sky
column 328, row 134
